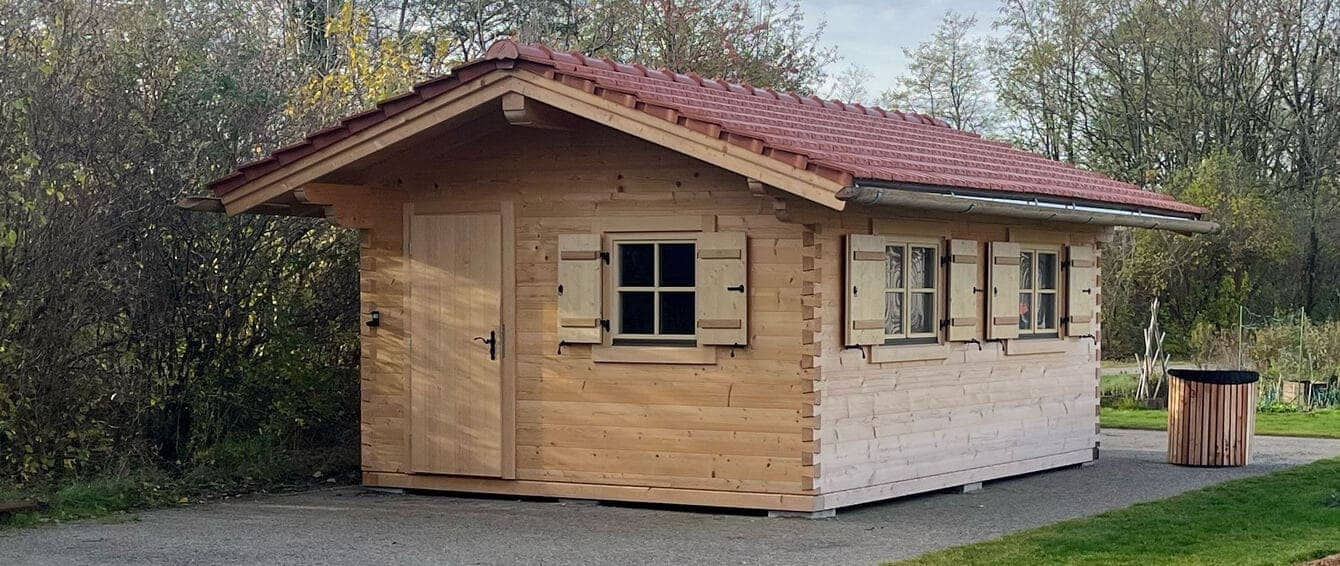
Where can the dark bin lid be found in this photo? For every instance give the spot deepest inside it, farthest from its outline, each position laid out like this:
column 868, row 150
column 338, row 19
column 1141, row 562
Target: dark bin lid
column 1216, row 376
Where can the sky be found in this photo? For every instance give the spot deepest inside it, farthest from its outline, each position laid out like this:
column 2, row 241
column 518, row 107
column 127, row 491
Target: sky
column 873, row 33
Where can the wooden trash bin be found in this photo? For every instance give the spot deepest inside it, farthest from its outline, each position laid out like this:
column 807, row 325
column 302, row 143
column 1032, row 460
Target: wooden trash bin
column 1211, row 417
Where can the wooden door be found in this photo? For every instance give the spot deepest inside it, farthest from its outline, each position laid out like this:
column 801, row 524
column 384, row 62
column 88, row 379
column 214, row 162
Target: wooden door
column 455, row 307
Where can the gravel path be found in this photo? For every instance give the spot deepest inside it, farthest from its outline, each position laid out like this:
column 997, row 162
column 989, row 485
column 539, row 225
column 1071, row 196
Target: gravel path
column 353, row 526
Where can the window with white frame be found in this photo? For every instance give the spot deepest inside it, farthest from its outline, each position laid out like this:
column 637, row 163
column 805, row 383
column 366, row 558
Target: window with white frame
column 1039, row 273
column 911, row 293
column 654, row 291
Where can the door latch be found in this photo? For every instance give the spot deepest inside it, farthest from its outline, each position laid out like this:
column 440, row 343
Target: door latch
column 492, row 341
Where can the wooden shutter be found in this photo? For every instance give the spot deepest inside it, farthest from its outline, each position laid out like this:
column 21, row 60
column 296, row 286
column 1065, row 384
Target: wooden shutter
column 866, row 275
column 723, row 301
column 1003, row 310
column 964, row 318
column 579, row 288
column 1081, row 291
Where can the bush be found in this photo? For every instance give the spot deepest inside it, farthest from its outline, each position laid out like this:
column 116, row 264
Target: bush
column 1297, row 351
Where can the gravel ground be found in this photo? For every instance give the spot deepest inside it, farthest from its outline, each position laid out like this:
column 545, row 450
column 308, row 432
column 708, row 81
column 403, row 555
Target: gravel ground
column 354, row 526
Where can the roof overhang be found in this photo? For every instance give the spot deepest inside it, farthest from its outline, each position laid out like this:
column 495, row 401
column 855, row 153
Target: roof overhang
column 210, row 203
column 456, row 103
column 951, row 200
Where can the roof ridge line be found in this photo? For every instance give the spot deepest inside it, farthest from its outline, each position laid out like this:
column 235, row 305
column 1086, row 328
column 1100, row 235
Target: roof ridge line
column 508, row 48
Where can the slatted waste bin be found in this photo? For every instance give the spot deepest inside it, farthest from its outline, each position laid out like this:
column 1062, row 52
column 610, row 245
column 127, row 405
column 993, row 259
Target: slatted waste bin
column 1211, row 417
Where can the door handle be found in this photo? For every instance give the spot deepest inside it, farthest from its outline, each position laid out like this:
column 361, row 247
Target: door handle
column 492, row 341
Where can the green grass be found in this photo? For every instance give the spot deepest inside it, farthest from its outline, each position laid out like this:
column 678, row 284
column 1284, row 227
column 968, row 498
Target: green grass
column 1324, row 423
column 1284, row 518
column 1130, row 363
column 230, row 468
column 83, row 499
column 1118, row 384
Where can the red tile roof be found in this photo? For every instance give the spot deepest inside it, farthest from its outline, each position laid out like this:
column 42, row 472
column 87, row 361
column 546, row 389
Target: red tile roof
column 844, row 142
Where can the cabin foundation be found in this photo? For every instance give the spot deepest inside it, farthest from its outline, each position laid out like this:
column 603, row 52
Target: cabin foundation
column 825, row 514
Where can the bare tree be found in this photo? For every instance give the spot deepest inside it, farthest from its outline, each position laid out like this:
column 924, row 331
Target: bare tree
column 947, row 76
column 852, row 84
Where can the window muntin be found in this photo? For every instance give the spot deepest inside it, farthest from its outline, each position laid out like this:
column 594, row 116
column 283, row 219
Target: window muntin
column 911, row 293
column 1039, row 272
column 654, row 294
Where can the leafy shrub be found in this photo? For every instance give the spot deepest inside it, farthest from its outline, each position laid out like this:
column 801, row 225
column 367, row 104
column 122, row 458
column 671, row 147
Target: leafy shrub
column 1296, row 351
column 1273, row 406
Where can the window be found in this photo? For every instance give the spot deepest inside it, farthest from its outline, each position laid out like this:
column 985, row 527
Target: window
column 1038, row 275
column 654, row 292
column 910, row 293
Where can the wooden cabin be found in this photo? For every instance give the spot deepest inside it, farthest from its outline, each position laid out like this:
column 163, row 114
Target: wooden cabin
column 587, row 279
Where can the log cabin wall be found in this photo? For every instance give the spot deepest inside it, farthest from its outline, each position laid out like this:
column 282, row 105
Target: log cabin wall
column 963, row 414
column 735, row 425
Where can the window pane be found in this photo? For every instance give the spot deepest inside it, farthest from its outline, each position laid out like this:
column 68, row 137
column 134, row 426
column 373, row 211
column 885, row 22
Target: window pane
column 677, row 265
column 635, row 312
column 1026, row 270
column 677, row 313
column 1046, row 271
column 893, row 318
column 894, row 266
column 923, row 268
column 635, row 265
column 1046, row 310
column 923, row 312
column 1026, row 311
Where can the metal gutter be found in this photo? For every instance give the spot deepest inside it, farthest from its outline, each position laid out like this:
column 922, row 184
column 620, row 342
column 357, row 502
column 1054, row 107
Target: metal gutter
column 948, row 201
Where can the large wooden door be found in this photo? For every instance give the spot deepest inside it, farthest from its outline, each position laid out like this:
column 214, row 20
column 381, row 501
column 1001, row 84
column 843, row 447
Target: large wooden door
column 455, row 300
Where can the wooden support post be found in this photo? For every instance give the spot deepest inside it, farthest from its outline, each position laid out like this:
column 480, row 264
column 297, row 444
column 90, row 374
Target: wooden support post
column 520, row 111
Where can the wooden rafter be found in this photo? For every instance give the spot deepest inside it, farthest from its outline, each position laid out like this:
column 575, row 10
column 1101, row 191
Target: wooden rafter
column 497, row 84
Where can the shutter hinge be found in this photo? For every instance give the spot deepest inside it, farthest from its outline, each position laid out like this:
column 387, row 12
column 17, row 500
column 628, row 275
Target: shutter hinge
column 605, row 324
column 605, row 257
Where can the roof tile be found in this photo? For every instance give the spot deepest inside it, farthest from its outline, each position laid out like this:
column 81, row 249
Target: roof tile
column 840, row 141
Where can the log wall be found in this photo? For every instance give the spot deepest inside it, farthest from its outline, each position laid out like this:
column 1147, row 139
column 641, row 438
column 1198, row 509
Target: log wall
column 734, row 425
column 954, row 413
column 794, row 415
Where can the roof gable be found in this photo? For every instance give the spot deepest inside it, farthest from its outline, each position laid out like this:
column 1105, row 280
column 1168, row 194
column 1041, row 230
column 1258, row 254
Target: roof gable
column 835, row 142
